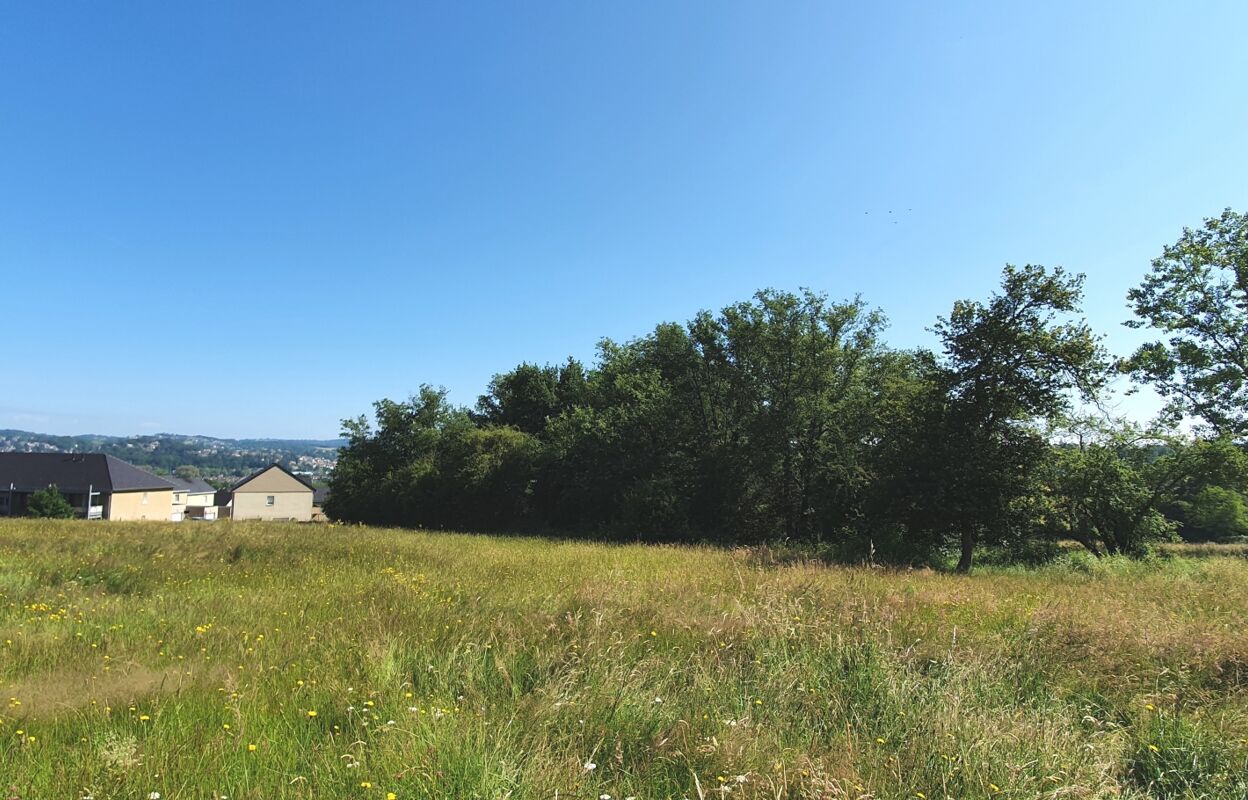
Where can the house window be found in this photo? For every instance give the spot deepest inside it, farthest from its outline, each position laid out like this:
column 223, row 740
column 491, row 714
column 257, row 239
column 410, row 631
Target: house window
column 268, row 500
column 145, row 498
column 177, row 498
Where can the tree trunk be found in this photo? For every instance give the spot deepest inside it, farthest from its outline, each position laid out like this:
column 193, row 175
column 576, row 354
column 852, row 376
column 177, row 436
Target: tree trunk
column 968, row 550
column 1088, row 541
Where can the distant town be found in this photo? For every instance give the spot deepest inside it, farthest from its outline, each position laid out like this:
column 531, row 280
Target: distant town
column 221, row 462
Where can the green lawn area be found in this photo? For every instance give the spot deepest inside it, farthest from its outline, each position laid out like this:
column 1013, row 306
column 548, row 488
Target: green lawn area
column 286, row 661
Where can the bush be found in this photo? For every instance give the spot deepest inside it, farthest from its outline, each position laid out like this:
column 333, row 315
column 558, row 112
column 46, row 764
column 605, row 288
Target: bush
column 49, row 503
column 1028, row 552
column 1217, row 512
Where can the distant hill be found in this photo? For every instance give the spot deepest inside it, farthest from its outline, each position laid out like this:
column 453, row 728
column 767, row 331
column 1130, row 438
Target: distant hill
column 220, row 461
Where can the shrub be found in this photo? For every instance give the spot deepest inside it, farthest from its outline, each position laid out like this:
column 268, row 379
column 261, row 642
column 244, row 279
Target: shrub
column 1217, row 512
column 49, row 503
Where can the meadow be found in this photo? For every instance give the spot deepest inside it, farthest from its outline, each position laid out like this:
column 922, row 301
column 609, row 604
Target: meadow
column 283, row 661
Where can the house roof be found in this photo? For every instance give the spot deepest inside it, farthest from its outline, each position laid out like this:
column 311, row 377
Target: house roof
column 75, row 472
column 260, row 472
column 196, row 486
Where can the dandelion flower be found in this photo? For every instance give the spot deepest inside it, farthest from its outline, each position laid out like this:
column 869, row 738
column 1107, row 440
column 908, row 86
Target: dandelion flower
column 311, row 713
column 391, row 796
column 1154, row 748
column 251, row 748
column 365, row 785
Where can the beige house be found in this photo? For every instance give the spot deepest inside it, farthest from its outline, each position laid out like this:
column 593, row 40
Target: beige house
column 273, row 493
column 96, row 485
column 193, row 498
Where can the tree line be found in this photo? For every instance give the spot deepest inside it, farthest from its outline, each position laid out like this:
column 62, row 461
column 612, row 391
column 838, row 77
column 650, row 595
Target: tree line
column 787, row 417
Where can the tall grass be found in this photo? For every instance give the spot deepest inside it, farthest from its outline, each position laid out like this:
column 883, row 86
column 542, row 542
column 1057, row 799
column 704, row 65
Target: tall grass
column 284, row 661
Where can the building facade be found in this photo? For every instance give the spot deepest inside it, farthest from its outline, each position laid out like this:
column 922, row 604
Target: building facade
column 273, row 493
column 97, row 486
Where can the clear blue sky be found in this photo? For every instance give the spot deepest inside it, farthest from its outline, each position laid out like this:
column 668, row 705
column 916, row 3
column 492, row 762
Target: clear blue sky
column 249, row 219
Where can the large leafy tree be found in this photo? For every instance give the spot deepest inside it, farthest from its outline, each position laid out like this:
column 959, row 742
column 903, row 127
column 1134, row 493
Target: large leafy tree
column 742, row 425
column 1007, row 364
column 528, row 396
column 425, row 462
column 380, row 477
column 794, row 376
column 1196, row 295
column 1105, row 483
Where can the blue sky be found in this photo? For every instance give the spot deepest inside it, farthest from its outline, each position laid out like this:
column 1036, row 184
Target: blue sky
column 250, row 219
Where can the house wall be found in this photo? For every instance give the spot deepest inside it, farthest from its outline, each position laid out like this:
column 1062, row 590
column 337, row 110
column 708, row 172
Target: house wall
column 286, row 505
column 199, row 498
column 130, row 505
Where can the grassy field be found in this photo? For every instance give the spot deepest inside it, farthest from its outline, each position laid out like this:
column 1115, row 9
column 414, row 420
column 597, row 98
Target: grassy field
column 281, row 661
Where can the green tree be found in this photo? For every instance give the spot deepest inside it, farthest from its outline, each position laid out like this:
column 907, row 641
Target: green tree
column 483, row 479
column 1106, row 483
column 1197, row 296
column 49, row 503
column 1007, row 364
column 380, row 477
column 427, row 463
column 529, row 395
column 1218, row 512
column 794, row 403
column 187, row 472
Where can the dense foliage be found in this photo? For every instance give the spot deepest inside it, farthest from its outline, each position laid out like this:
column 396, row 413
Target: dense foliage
column 786, row 417
column 49, row 503
column 1197, row 295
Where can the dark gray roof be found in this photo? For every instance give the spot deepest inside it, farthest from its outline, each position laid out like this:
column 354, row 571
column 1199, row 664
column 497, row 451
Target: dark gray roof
column 195, row 486
column 75, row 472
